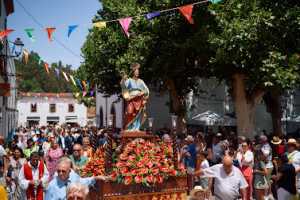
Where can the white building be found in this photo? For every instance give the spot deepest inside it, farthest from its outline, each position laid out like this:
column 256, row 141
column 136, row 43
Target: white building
column 8, row 93
column 50, row 108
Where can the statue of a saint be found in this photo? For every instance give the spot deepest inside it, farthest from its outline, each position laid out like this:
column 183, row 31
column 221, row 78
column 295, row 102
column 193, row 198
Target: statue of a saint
column 135, row 92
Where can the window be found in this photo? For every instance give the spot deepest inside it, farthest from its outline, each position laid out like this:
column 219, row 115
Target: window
column 52, row 108
column 71, row 108
column 33, row 107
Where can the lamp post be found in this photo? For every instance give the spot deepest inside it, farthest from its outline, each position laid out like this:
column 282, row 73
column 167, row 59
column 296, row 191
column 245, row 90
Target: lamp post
column 150, row 124
column 174, row 138
column 5, row 86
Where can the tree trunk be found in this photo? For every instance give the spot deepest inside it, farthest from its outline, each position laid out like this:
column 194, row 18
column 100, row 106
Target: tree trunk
column 272, row 100
column 178, row 106
column 245, row 105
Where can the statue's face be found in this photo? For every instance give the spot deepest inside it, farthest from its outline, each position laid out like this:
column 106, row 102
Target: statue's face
column 136, row 72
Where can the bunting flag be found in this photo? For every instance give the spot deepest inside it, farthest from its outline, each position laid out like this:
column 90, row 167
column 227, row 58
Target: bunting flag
column 25, row 56
column 215, row 1
column 187, row 12
column 79, row 83
column 99, row 24
column 50, row 31
column 5, row 33
column 47, row 67
column 84, row 93
column 84, row 85
column 57, row 72
column 152, row 15
column 92, row 92
column 71, row 29
column 72, row 79
column 29, row 32
column 37, row 58
column 66, row 76
column 125, row 23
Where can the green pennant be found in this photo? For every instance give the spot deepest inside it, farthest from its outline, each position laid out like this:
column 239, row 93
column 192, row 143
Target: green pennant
column 29, row 32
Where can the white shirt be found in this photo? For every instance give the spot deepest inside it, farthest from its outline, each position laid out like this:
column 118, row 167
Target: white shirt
column 204, row 164
column 246, row 159
column 24, row 183
column 226, row 187
column 2, row 151
column 295, row 159
column 267, row 151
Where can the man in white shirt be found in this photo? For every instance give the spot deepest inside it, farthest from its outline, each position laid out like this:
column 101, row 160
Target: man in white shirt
column 294, row 158
column 33, row 178
column 229, row 182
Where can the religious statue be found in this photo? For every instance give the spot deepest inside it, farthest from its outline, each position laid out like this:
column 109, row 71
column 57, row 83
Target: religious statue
column 135, row 92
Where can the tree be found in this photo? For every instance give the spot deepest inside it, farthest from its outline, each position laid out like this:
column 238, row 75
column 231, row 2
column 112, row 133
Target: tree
column 172, row 52
column 32, row 77
column 256, row 44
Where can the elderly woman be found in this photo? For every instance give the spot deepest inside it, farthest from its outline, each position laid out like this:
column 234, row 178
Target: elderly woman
column 87, row 149
column 53, row 155
column 77, row 191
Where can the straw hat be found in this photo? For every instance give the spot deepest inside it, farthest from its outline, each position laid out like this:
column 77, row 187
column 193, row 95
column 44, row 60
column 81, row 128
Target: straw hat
column 276, row 140
column 189, row 138
column 196, row 189
column 292, row 141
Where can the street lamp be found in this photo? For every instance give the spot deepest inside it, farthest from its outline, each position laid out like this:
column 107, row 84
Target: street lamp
column 17, row 49
column 150, row 124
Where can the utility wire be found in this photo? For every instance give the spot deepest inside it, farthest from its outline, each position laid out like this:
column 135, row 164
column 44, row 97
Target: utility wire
column 42, row 26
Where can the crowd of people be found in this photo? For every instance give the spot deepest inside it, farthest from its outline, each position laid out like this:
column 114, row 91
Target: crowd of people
column 226, row 166
column 46, row 163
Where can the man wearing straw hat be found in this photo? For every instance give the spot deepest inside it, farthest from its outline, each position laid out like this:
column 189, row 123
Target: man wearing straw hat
column 294, row 158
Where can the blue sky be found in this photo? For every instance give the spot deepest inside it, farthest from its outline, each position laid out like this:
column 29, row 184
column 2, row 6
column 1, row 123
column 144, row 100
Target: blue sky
column 59, row 14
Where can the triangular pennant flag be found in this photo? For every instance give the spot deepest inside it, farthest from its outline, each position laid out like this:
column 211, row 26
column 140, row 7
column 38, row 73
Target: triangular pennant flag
column 57, row 72
column 46, row 67
column 84, row 84
column 50, row 31
column 187, row 12
column 84, row 93
column 92, row 92
column 5, row 33
column 99, row 24
column 37, row 58
column 29, row 32
column 78, row 83
column 66, row 76
column 25, row 55
column 215, row 1
column 72, row 79
column 71, row 29
column 152, row 15
column 125, row 23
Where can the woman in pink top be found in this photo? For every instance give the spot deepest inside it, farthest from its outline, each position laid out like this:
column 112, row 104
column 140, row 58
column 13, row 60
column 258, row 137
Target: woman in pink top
column 52, row 157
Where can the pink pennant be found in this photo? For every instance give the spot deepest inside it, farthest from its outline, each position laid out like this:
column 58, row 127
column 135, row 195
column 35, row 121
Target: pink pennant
column 125, row 23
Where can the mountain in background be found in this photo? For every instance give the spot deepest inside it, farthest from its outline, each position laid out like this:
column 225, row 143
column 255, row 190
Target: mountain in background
column 32, row 77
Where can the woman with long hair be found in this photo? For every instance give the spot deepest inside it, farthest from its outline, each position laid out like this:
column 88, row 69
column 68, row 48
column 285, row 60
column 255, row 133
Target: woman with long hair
column 260, row 175
column 16, row 162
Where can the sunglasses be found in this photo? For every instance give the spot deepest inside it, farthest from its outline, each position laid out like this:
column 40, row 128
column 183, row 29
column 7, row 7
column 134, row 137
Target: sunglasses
column 61, row 171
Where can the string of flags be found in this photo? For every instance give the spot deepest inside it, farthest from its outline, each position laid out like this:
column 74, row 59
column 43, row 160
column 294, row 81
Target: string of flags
column 185, row 10
column 83, row 85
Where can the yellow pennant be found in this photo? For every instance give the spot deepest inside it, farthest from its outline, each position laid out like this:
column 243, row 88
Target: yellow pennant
column 26, row 56
column 99, row 24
